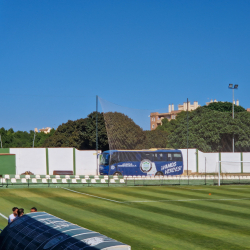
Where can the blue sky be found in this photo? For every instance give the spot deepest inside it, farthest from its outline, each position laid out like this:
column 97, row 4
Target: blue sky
column 56, row 56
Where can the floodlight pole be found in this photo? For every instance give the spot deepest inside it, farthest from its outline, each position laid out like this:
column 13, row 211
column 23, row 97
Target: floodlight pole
column 96, row 120
column 233, row 117
column 233, row 88
column 1, row 141
column 187, row 139
column 34, row 139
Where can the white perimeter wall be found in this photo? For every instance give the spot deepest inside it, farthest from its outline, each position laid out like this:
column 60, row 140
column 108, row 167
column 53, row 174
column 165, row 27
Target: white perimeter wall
column 232, row 163
column 30, row 159
column 86, row 162
column 191, row 159
column 208, row 162
column 34, row 160
column 246, row 164
column 60, row 159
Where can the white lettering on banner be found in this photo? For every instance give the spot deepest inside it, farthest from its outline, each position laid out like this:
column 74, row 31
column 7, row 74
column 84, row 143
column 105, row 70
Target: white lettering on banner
column 127, row 165
column 172, row 170
column 169, row 165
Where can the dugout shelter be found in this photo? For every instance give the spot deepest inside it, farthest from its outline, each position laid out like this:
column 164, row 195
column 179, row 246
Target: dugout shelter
column 40, row 230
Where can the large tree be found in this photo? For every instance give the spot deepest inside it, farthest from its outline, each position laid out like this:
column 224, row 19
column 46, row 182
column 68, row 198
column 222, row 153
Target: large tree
column 224, row 107
column 155, row 139
column 122, row 131
column 22, row 139
column 209, row 130
column 80, row 134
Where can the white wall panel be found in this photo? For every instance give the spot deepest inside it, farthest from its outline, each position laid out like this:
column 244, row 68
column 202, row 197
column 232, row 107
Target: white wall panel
column 208, row 162
column 191, row 159
column 34, row 160
column 60, row 159
column 30, row 159
column 246, row 162
column 86, row 162
column 231, row 163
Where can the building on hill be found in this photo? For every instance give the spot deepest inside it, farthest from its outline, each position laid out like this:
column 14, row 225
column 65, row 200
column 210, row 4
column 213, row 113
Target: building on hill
column 207, row 103
column 156, row 117
column 44, row 130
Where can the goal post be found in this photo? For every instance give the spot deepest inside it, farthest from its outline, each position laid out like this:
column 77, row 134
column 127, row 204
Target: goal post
column 233, row 172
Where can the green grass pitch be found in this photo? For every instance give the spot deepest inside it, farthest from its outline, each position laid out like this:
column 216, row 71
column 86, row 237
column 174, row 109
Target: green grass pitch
column 165, row 217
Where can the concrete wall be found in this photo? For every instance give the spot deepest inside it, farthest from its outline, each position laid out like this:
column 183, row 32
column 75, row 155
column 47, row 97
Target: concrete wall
column 208, row 162
column 45, row 161
column 30, row 159
column 191, row 159
column 246, row 164
column 231, row 163
column 86, row 162
column 60, row 159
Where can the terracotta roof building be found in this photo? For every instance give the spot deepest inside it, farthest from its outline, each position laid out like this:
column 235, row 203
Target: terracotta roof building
column 156, row 118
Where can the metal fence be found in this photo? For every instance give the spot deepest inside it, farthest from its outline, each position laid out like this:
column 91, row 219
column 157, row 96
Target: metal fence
column 111, row 181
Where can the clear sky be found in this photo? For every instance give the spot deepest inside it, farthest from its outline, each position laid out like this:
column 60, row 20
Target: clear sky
column 56, row 56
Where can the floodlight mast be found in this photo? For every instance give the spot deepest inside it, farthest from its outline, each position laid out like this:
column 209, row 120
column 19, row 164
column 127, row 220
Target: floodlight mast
column 233, row 88
column 34, row 139
column 187, row 140
column 96, row 117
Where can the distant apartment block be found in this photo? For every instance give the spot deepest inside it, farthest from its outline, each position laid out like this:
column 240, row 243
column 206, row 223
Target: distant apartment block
column 237, row 102
column 44, row 130
column 156, row 118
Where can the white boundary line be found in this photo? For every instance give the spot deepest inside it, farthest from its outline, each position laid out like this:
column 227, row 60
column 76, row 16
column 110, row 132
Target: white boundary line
column 157, row 200
column 192, row 200
column 92, row 195
column 4, row 216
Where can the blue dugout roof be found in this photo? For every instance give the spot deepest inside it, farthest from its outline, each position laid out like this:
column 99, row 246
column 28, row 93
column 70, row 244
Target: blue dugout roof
column 43, row 231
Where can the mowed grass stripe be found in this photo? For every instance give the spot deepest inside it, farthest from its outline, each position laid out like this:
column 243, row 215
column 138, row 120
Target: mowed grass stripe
column 149, row 194
column 220, row 221
column 228, row 192
column 117, row 233
column 171, row 196
column 197, row 216
column 188, row 195
column 53, row 207
column 209, row 207
column 160, row 195
column 220, row 208
column 113, row 211
column 194, row 194
column 159, row 228
column 3, row 222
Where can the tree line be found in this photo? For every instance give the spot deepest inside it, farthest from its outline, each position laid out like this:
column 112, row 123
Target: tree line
column 208, row 128
column 115, row 131
column 23, row 139
column 81, row 134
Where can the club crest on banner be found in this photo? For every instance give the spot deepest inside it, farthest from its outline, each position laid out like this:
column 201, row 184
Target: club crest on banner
column 145, row 165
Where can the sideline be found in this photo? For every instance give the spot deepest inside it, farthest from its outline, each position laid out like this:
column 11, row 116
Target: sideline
column 4, row 216
column 192, row 200
column 93, row 196
column 185, row 200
